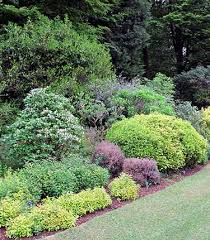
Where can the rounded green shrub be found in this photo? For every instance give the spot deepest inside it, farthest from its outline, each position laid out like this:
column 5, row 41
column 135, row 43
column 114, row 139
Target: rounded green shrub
column 50, row 179
column 124, row 188
column 91, row 176
column 172, row 142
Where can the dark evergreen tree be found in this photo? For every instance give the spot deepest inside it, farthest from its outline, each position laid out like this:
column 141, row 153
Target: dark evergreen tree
column 187, row 23
column 128, row 37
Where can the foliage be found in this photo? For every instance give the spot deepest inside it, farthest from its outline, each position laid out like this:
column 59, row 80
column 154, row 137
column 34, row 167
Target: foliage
column 79, row 11
column 45, row 217
column 90, row 111
column 90, row 176
column 186, row 111
column 194, row 86
column 128, row 37
column 124, row 188
column 141, row 100
column 10, row 184
column 163, row 85
column 186, row 24
column 45, row 130
column 52, row 179
column 11, row 207
column 206, row 117
column 48, row 179
column 86, row 201
column 55, row 214
column 51, row 52
column 109, row 155
column 8, row 113
column 143, row 171
column 172, row 142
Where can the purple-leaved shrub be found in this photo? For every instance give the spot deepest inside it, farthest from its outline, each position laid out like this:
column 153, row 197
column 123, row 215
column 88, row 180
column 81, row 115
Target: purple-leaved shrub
column 144, row 171
column 110, row 156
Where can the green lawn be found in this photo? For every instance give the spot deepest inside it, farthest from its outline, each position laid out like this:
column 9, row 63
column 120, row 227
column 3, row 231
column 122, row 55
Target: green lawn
column 182, row 211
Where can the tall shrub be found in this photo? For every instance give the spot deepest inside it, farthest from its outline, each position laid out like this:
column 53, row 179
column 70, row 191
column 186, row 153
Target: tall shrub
column 45, row 52
column 45, row 130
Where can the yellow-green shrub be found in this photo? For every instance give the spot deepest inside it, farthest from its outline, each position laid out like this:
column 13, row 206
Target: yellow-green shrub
column 84, row 202
column 124, row 188
column 11, row 207
column 21, row 226
column 172, row 142
column 206, row 116
column 55, row 214
column 45, row 217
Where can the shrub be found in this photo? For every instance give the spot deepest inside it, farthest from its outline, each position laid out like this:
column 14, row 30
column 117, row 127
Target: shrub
column 162, row 85
column 90, row 111
column 86, row 201
column 8, row 113
column 44, row 217
column 45, row 130
column 109, row 155
column 172, row 142
column 194, row 86
column 141, row 100
column 48, row 179
column 90, row 176
column 186, row 111
column 22, row 226
column 50, row 52
column 143, row 171
column 11, row 207
column 124, row 188
column 206, row 117
column 11, row 184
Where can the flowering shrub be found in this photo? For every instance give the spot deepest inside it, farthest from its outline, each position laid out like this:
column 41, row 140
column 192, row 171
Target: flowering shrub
column 124, row 188
column 45, row 130
column 143, row 171
column 172, row 142
column 110, row 156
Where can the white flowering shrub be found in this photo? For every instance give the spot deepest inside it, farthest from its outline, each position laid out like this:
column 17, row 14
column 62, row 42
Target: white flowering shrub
column 44, row 130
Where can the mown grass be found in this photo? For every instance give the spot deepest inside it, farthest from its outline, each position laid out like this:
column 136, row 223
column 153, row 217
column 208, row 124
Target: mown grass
column 180, row 212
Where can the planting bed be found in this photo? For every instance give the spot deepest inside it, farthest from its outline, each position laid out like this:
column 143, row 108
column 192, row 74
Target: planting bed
column 165, row 182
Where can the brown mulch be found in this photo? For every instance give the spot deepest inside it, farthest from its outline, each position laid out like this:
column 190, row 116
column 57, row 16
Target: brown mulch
column 165, row 182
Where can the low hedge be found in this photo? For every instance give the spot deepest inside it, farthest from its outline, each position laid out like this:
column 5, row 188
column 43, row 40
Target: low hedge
column 172, row 142
column 56, row 213
column 47, row 217
column 11, row 207
column 52, row 179
column 86, row 201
